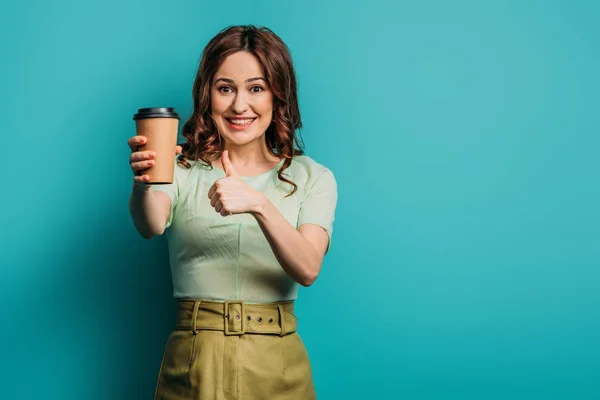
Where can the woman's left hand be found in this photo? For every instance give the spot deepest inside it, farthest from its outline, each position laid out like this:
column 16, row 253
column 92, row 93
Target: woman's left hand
column 231, row 195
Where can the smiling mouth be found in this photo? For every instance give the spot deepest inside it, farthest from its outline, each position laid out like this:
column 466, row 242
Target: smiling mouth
column 240, row 122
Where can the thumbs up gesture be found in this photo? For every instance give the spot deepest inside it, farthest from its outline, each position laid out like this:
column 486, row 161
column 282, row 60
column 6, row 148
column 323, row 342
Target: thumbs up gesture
column 231, row 195
column 227, row 165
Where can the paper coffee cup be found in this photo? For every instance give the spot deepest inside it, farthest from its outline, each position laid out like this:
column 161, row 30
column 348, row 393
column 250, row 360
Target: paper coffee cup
column 160, row 126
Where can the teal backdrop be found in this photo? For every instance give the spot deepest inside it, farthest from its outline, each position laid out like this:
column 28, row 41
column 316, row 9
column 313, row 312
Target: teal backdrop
column 464, row 138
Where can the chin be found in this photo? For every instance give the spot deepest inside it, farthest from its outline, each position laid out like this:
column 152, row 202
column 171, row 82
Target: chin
column 237, row 142
column 240, row 138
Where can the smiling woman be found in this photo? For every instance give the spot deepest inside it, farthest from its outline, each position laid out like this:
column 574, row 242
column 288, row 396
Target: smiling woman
column 245, row 72
column 248, row 217
column 239, row 104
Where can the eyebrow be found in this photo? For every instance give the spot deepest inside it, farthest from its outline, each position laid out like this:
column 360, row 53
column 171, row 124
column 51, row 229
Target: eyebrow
column 258, row 78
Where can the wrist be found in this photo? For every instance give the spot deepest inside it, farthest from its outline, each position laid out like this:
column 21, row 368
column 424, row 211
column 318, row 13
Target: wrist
column 141, row 187
column 260, row 205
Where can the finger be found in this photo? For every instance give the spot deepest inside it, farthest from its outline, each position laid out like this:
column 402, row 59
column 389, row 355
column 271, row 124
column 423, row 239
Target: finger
column 178, row 149
column 215, row 187
column 222, row 208
column 227, row 166
column 214, row 199
column 141, row 178
column 141, row 156
column 136, row 141
column 212, row 190
column 141, row 165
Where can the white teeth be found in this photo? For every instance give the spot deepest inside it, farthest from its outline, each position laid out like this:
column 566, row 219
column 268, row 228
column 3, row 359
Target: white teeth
column 241, row 122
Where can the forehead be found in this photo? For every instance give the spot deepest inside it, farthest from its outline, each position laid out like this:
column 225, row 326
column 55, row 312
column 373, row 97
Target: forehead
column 240, row 66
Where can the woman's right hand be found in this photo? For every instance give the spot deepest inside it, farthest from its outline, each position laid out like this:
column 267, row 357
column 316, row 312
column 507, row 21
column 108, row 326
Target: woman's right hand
column 141, row 160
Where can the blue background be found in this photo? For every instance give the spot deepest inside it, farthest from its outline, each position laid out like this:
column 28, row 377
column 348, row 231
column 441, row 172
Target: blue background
column 464, row 138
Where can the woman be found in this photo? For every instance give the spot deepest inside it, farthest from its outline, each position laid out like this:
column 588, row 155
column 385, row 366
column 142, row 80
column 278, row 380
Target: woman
column 248, row 219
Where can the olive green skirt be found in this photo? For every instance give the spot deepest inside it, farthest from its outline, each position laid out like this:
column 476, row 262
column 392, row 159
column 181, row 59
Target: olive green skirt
column 235, row 351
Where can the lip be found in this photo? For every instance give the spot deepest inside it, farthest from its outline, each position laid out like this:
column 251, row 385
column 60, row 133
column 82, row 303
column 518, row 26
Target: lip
column 240, row 128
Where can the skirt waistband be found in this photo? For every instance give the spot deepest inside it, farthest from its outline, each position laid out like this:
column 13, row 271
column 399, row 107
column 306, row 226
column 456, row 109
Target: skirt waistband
column 235, row 317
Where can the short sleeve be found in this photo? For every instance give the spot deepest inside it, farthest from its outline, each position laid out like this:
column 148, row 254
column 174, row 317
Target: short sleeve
column 319, row 203
column 172, row 190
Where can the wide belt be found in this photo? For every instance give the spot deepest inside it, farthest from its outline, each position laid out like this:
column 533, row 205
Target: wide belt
column 236, row 317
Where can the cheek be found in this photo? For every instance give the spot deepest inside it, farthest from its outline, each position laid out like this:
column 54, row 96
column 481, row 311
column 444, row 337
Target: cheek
column 265, row 108
column 218, row 105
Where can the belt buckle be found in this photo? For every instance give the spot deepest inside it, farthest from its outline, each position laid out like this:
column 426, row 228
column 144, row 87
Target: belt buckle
column 226, row 318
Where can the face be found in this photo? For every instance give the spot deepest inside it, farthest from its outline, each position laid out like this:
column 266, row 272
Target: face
column 241, row 100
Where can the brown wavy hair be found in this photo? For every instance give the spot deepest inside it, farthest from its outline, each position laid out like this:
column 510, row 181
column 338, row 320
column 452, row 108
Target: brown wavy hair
column 203, row 141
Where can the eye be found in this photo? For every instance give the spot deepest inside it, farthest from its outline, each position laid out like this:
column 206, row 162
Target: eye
column 222, row 89
column 259, row 89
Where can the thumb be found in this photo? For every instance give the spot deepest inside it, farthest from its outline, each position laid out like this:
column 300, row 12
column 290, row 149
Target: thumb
column 227, row 166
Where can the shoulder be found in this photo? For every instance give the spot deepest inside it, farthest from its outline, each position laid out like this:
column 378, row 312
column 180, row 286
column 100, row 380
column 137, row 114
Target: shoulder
column 307, row 173
column 306, row 166
column 184, row 168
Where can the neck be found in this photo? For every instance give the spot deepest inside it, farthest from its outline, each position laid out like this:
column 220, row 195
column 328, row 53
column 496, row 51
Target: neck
column 251, row 153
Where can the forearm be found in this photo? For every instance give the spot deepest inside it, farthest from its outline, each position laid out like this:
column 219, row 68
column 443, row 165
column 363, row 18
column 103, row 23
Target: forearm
column 143, row 207
column 296, row 255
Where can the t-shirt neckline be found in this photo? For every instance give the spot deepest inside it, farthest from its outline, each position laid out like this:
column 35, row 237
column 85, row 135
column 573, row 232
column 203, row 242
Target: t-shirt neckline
column 269, row 172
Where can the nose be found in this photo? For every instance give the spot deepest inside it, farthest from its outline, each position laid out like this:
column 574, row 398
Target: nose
column 240, row 104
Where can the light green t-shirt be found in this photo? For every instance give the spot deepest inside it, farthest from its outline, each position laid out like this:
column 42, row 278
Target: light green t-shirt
column 228, row 258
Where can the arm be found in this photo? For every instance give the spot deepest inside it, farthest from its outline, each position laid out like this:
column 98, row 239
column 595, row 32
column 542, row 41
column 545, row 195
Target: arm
column 299, row 251
column 149, row 210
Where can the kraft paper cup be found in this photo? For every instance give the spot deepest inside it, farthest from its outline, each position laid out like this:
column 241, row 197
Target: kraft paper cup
column 160, row 126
